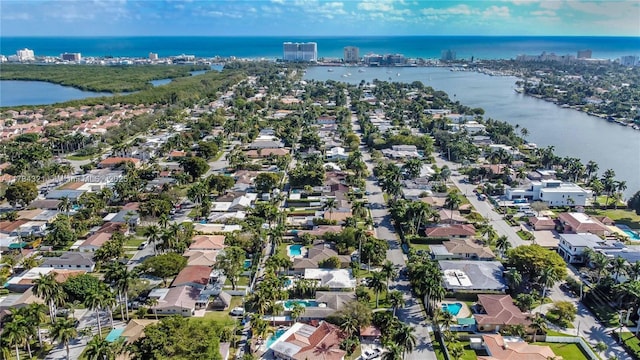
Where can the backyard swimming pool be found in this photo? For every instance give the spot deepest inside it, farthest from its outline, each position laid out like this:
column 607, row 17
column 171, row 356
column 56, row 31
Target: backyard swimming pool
column 295, row 250
column 627, row 230
column 247, row 264
column 114, row 335
column 306, row 303
column 452, row 309
column 275, row 337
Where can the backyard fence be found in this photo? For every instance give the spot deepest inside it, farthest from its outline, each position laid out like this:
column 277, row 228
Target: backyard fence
column 586, row 349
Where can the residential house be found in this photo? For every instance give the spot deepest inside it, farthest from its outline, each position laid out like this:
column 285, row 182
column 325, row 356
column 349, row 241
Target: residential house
column 500, row 348
column 95, row 242
column 197, row 276
column 467, row 249
column 328, row 303
column 496, row 311
column 222, row 301
column 451, row 217
column 22, row 282
column 553, row 192
column 207, row 242
column 333, row 279
column 315, row 255
column 472, row 275
column 72, row 195
column 450, row 231
column 581, row 223
column 198, row 257
column 135, row 329
column 181, row 300
column 71, row 260
column 114, row 162
column 336, row 153
column 265, row 153
column 572, row 246
column 302, row 342
column 542, row 223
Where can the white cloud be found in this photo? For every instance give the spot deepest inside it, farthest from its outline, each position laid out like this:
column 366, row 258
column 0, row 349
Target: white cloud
column 454, row 10
column 496, row 11
column 543, row 13
column 375, row 6
column 612, row 9
column 277, row 2
column 551, row 5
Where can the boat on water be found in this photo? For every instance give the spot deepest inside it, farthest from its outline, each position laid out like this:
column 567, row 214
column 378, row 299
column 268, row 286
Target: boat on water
column 330, row 70
column 519, row 90
column 361, row 70
column 398, row 74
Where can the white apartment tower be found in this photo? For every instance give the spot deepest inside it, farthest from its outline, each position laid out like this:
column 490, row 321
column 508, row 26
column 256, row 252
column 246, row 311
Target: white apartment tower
column 351, row 54
column 25, row 55
column 300, row 51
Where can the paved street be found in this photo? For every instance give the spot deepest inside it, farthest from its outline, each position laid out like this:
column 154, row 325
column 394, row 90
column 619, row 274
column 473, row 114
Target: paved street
column 412, row 313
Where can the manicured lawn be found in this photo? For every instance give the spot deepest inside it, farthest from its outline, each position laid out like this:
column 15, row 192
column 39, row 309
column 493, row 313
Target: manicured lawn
column 134, row 242
column 80, row 158
column 242, row 281
column 629, row 218
column 567, row 351
column 631, row 341
column 423, row 247
column 437, row 348
column 219, row 317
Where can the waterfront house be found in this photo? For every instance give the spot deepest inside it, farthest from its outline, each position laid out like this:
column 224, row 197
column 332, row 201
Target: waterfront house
column 553, row 192
column 581, row 223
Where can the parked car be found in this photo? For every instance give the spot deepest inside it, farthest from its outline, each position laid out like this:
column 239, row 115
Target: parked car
column 143, row 245
column 371, row 354
column 237, row 311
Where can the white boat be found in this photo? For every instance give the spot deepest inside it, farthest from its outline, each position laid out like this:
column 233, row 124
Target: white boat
column 330, row 70
column 361, row 70
column 398, row 74
column 348, row 74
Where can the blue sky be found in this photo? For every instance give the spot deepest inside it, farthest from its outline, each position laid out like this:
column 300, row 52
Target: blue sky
column 317, row 18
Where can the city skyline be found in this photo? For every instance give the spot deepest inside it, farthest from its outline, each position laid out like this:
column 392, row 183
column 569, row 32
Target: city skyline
column 318, row 18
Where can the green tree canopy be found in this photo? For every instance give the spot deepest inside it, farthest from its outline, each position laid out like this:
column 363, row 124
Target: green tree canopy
column 531, row 261
column 77, row 287
column 165, row 265
column 194, row 166
column 21, row 193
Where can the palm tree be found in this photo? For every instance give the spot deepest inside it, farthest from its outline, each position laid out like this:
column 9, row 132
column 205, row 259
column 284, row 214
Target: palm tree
column 599, row 261
column 64, row 331
column 153, row 302
column 65, row 205
column 330, row 204
column 350, row 325
column 377, row 284
column 503, row 244
column 94, row 301
column 396, row 299
column 154, row 234
column 29, row 262
column 452, row 202
column 37, row 314
column 389, row 272
column 394, row 352
column 296, row 310
column 406, row 338
column 447, row 319
column 455, row 350
column 634, row 270
column 619, row 267
column 276, row 309
column 514, row 277
column 435, row 318
column 47, row 288
column 16, row 333
column 121, row 278
column 538, row 323
column 98, row 349
column 548, row 277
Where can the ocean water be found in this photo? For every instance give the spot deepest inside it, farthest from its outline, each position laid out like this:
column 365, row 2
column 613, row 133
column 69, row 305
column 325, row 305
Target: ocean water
column 480, row 47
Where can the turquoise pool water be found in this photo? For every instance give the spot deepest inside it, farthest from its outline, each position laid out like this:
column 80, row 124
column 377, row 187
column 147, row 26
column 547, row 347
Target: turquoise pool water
column 114, row 335
column 275, row 337
column 247, row 264
column 627, row 230
column 452, row 309
column 295, row 250
column 306, row 303
column 288, row 282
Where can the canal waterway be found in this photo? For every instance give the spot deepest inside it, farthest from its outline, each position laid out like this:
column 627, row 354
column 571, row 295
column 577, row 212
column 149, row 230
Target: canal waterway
column 570, row 132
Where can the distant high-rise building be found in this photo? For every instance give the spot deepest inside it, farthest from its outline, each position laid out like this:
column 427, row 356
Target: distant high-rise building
column 351, row 54
column 71, row 56
column 300, row 51
column 584, row 54
column 25, row 55
column 447, row 55
column 153, row 56
column 629, row 60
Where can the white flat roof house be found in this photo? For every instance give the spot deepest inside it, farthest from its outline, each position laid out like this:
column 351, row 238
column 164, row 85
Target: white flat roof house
column 331, row 278
column 572, row 246
column 553, row 192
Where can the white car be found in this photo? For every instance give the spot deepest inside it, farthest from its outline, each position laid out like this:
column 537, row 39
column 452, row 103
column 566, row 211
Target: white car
column 371, row 354
column 237, row 311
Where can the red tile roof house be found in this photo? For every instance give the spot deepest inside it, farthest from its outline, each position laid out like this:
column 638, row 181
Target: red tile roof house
column 196, row 275
column 95, row 242
column 207, row 242
column 581, row 223
column 542, row 223
column 450, row 231
column 499, row 349
column 302, row 342
column 496, row 311
column 114, row 162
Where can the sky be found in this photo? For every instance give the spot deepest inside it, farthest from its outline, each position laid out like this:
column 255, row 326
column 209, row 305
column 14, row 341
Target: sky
column 318, row 18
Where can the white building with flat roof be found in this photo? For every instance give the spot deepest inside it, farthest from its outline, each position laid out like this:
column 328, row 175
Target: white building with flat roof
column 553, row 192
column 300, row 51
column 25, row 55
